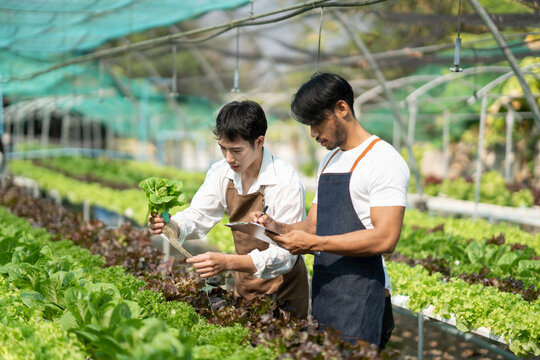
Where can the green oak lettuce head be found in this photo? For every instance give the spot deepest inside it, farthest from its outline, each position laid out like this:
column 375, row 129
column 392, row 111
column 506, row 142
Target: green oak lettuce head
column 162, row 194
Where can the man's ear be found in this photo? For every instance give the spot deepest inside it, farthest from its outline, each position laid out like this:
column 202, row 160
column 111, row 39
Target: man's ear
column 341, row 106
column 342, row 110
column 259, row 142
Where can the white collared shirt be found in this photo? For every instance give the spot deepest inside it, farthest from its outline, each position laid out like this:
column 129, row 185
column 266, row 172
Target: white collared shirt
column 283, row 193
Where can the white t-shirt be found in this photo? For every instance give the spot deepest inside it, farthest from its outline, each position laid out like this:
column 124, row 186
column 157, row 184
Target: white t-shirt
column 283, row 193
column 381, row 178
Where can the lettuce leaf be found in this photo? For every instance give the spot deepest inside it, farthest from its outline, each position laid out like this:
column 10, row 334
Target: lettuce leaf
column 162, row 194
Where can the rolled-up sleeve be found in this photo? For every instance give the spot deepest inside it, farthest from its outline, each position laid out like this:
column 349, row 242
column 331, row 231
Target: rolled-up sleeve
column 285, row 204
column 205, row 211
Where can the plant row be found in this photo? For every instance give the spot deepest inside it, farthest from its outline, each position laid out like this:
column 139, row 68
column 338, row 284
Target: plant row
column 472, row 306
column 493, row 190
column 489, row 256
column 459, row 249
column 96, row 311
column 264, row 321
column 131, row 201
column 119, row 174
column 466, row 229
column 123, row 174
column 453, row 244
column 128, row 201
column 456, row 270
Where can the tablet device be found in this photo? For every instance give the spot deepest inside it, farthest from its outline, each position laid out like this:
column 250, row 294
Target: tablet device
column 253, row 229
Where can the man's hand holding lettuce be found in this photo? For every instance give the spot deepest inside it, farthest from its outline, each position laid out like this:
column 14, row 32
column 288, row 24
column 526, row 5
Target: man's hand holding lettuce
column 163, row 195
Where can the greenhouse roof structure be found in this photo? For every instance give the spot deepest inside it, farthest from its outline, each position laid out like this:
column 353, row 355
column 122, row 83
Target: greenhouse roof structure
column 55, row 27
column 38, row 34
column 39, row 39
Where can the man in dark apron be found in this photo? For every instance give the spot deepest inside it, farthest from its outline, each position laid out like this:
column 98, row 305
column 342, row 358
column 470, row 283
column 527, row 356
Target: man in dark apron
column 356, row 215
column 248, row 179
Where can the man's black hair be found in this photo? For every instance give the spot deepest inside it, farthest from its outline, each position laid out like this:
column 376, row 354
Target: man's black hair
column 318, row 96
column 241, row 120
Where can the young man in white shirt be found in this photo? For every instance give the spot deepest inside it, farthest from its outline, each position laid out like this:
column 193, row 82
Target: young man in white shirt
column 246, row 180
column 356, row 216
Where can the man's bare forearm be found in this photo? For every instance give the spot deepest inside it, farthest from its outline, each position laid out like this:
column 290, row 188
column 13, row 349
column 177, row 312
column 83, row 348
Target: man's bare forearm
column 302, row 225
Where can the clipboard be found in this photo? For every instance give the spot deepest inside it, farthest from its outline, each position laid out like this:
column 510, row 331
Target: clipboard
column 255, row 230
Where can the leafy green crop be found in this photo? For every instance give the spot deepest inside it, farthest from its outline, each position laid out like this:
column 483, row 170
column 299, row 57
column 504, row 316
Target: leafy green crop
column 468, row 229
column 221, row 236
column 464, row 256
column 24, row 334
column 473, row 306
column 130, row 202
column 493, row 190
column 120, row 174
column 62, row 290
column 162, row 194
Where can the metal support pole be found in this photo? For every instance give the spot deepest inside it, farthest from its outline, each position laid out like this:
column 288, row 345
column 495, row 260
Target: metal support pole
column 55, row 196
column 35, row 190
column 396, row 135
column 509, row 155
column 166, row 249
column 96, row 135
column 45, row 130
column 87, row 134
column 478, row 174
column 109, row 141
column 19, row 131
column 64, row 133
column 143, row 121
column 393, row 104
column 420, row 336
column 86, row 210
column 77, row 134
column 413, row 110
column 1, row 110
column 510, row 57
column 31, row 132
column 160, row 150
column 446, row 143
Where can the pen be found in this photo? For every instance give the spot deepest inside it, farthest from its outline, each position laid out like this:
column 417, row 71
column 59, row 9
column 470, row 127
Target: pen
column 263, row 212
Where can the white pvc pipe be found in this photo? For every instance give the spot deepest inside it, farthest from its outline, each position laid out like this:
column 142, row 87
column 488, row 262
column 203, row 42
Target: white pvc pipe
column 396, row 133
column 478, row 174
column 1, row 109
column 446, row 143
column 420, row 336
column 413, row 110
column 86, row 210
column 64, row 135
column 87, row 134
column 509, row 155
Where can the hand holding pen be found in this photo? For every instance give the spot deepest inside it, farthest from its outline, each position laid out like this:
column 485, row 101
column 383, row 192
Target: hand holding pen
column 266, row 221
column 258, row 217
column 263, row 212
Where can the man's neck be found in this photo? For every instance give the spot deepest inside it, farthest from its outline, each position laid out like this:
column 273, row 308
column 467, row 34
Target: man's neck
column 252, row 173
column 356, row 135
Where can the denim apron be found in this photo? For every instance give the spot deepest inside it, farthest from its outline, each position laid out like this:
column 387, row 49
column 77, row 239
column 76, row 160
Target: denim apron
column 347, row 292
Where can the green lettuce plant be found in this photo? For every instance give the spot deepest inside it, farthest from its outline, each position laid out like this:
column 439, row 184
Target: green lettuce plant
column 162, row 195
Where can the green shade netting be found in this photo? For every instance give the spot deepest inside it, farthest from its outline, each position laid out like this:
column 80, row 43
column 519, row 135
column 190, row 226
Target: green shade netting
column 36, row 34
column 95, row 95
column 61, row 26
column 66, row 80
